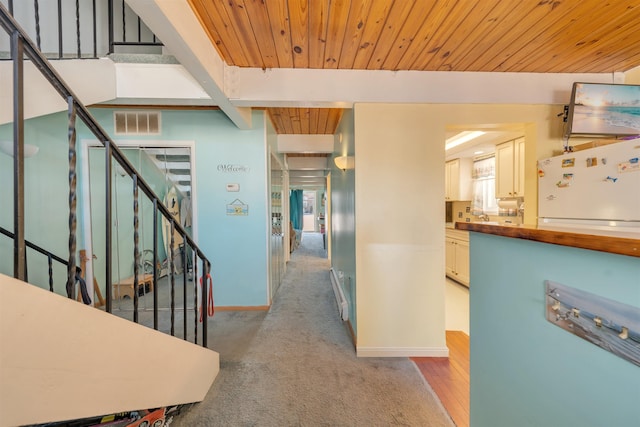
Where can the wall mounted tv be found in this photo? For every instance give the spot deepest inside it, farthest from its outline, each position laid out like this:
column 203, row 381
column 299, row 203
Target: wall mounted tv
column 604, row 109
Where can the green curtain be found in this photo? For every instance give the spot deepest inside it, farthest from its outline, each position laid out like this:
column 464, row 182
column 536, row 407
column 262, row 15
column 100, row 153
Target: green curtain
column 295, row 208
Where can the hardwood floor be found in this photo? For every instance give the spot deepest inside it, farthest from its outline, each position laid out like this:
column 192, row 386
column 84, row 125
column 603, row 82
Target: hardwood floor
column 449, row 377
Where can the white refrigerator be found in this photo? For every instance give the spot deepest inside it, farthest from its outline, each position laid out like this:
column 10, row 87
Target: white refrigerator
column 594, row 188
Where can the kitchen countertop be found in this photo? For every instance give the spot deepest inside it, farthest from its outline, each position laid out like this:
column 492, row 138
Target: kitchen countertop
column 621, row 243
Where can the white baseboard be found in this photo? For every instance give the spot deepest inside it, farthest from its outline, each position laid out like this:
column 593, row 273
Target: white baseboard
column 402, row 352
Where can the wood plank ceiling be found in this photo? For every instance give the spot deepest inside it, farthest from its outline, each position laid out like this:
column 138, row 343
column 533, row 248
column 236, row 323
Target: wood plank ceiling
column 539, row 36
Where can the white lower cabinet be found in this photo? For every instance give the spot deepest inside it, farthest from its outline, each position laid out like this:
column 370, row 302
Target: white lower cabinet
column 457, row 255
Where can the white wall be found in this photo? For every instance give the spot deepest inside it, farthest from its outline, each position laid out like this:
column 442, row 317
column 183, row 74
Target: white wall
column 63, row 360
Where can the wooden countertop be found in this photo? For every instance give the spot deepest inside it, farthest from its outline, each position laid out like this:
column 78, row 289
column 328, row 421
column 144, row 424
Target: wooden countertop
column 560, row 236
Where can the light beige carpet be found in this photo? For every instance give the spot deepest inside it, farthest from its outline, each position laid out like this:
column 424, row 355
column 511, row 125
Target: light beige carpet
column 296, row 364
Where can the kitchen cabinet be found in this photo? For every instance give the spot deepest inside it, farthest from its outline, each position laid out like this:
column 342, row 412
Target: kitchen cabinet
column 510, row 169
column 458, row 179
column 457, row 256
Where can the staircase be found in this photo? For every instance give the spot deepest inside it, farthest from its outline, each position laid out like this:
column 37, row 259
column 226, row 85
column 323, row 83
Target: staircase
column 61, row 359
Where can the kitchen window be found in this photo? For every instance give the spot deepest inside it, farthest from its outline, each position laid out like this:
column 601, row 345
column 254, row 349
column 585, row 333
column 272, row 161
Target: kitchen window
column 484, row 187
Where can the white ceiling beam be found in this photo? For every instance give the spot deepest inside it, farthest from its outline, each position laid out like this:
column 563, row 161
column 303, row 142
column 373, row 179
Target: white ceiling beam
column 306, row 163
column 289, row 87
column 177, row 27
column 301, row 143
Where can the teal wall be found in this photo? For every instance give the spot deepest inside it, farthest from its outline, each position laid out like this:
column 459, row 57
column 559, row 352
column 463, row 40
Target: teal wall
column 46, row 193
column 526, row 371
column 343, row 239
column 237, row 246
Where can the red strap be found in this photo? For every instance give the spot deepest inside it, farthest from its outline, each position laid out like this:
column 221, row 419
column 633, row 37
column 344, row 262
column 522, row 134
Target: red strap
column 210, row 306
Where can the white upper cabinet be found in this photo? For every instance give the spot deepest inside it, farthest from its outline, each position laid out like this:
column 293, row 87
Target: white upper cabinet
column 510, row 169
column 458, row 179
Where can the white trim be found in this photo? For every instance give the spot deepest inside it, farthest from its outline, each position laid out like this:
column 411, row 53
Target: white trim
column 402, row 352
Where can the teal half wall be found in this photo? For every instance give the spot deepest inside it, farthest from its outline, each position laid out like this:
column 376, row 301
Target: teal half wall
column 526, row 371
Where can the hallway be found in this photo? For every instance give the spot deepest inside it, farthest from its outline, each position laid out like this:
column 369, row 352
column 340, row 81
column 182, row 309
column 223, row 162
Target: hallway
column 296, row 365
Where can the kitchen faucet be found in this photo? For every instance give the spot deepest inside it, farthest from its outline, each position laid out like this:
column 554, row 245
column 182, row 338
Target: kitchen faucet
column 484, row 217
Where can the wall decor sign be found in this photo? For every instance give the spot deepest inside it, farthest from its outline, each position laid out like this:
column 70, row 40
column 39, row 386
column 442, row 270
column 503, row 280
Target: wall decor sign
column 609, row 324
column 227, row 168
column 237, row 208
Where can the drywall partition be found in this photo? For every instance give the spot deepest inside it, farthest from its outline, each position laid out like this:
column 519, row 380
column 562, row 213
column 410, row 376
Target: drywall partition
column 63, row 360
column 399, row 231
column 526, row 371
column 342, row 215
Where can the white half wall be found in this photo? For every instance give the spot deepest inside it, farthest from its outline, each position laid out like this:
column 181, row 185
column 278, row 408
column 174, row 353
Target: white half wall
column 62, row 360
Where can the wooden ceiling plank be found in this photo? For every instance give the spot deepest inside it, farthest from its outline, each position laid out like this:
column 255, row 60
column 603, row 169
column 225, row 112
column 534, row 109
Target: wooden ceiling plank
column 299, row 19
column 314, row 114
column 335, row 115
column 389, row 33
column 318, row 22
column 614, row 29
column 323, row 116
column 527, row 17
column 413, row 34
column 540, row 36
column 280, row 26
column 353, row 33
column 432, row 58
column 622, row 61
column 219, row 33
column 258, row 16
column 294, row 118
column 274, row 115
column 562, row 42
column 464, row 32
column 237, row 13
column 376, row 20
column 336, row 28
column 304, row 121
column 484, row 37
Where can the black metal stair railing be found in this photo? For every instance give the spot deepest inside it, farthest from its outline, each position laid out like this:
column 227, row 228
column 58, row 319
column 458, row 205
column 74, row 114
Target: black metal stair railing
column 85, row 38
column 23, row 47
column 50, row 259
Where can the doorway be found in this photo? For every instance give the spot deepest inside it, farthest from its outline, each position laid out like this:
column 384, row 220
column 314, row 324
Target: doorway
column 168, row 170
column 309, row 210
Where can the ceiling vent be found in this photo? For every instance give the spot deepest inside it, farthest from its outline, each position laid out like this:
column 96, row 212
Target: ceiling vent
column 136, row 122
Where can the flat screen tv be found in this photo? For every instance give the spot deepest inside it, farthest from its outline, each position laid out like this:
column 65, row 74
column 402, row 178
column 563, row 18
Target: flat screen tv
column 604, row 109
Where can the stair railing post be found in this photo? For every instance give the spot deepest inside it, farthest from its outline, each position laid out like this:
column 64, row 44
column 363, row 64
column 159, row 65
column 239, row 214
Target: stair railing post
column 108, row 232
column 195, row 296
column 136, row 250
column 206, row 270
column 71, row 267
column 19, row 247
column 155, row 263
column 172, row 271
